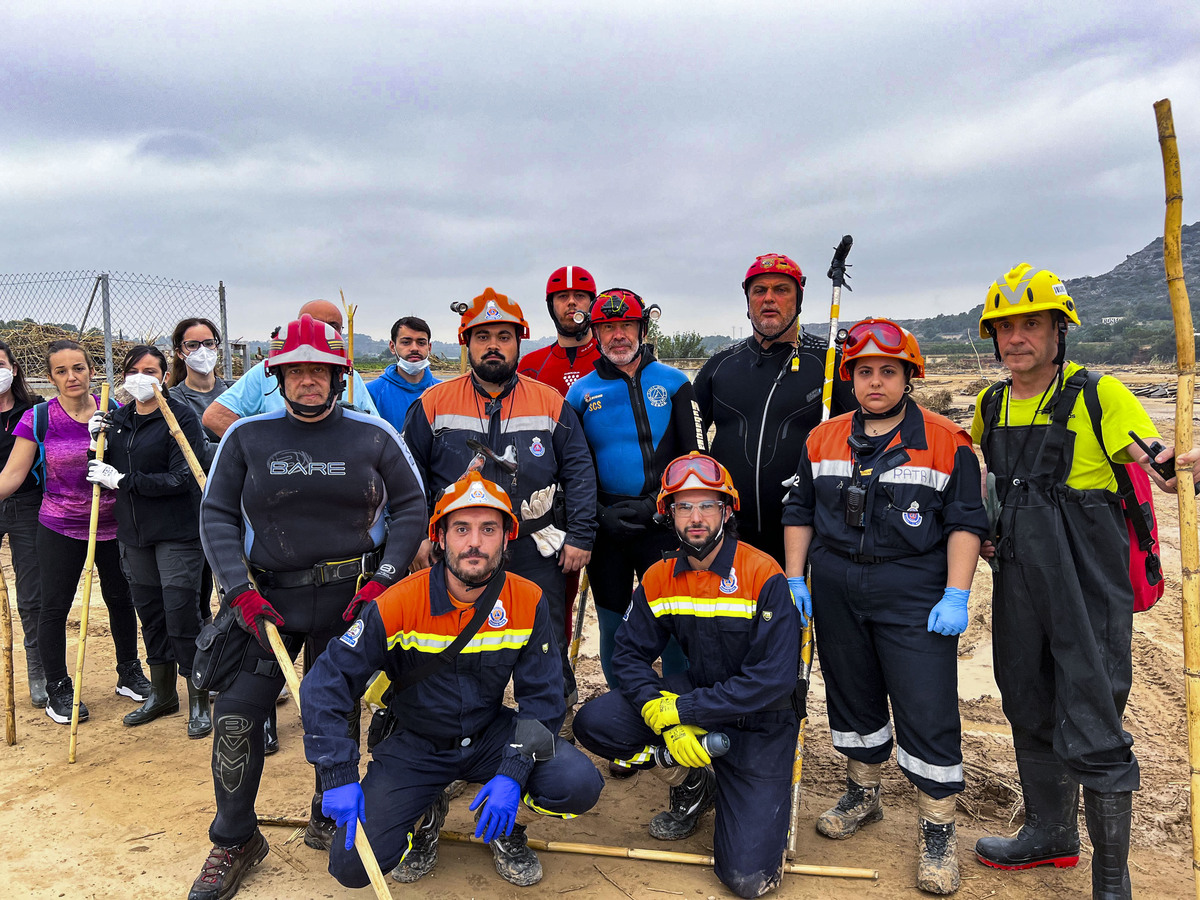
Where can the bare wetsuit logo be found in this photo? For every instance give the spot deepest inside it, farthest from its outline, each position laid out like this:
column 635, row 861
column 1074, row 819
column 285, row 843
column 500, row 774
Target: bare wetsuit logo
column 297, row 462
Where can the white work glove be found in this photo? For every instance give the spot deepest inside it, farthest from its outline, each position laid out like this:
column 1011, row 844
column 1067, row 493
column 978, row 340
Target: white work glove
column 550, row 539
column 103, row 474
column 96, row 424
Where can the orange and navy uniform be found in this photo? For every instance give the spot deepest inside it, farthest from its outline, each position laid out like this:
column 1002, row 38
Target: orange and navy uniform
column 921, row 486
column 405, row 628
column 526, row 415
column 737, row 625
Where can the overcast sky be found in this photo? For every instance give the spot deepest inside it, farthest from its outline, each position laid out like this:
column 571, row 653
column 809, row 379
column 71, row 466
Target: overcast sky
column 413, row 157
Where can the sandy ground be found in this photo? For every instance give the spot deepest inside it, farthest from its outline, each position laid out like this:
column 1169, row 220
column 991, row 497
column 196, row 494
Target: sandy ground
column 129, row 819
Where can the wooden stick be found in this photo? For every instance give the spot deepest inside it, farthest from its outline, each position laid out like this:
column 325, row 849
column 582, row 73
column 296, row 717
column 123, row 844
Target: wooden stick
column 691, row 859
column 89, row 566
column 284, row 821
column 1185, row 355
column 361, row 844
column 806, row 655
column 577, row 634
column 176, row 432
column 10, row 700
column 350, row 310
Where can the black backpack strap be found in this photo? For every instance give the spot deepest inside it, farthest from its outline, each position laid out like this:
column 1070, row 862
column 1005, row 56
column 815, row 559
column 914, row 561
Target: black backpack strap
column 989, row 413
column 1055, row 440
column 41, row 424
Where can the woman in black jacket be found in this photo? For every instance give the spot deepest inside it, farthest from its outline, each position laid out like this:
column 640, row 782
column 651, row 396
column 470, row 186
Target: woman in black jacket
column 158, row 513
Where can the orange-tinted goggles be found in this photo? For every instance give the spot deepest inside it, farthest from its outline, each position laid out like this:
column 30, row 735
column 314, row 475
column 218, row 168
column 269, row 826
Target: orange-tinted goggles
column 703, row 467
column 887, row 336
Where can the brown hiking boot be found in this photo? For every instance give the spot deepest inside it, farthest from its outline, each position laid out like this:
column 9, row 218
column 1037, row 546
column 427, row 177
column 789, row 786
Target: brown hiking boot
column 860, row 805
column 225, row 868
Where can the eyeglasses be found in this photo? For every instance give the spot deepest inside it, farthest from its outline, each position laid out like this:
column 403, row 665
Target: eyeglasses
column 707, row 469
column 706, row 507
column 192, row 346
column 886, row 335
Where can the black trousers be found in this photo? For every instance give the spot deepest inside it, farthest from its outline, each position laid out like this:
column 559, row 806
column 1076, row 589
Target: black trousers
column 61, row 559
column 546, row 573
column 19, row 520
column 164, row 579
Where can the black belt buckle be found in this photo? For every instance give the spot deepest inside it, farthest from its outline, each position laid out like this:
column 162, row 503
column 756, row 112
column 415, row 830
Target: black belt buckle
column 328, row 573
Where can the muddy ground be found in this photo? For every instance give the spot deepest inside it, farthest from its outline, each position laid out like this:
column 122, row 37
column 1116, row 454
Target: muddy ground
column 129, row 818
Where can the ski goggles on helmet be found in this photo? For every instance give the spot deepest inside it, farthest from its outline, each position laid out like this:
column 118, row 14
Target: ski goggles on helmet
column 886, row 335
column 705, row 468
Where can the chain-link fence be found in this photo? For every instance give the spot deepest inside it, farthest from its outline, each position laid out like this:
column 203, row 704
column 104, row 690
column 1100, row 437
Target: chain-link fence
column 103, row 311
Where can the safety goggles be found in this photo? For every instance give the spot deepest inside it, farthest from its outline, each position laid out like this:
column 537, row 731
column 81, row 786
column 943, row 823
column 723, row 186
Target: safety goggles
column 886, row 335
column 708, row 508
column 704, row 468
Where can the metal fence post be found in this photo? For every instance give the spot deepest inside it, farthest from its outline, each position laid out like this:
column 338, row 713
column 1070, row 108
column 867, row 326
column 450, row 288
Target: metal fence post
column 108, row 354
column 225, row 332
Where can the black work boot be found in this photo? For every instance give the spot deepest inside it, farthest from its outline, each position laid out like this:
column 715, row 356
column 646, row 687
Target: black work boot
column 163, row 699
column 860, row 805
column 422, row 854
column 937, row 845
column 37, row 679
column 320, row 830
column 60, row 695
column 688, row 802
column 131, row 681
column 223, row 871
column 199, row 712
column 1050, row 834
column 515, row 861
column 1108, row 818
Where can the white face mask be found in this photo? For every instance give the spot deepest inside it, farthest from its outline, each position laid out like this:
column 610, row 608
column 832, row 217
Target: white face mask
column 141, row 387
column 6, row 379
column 201, row 360
column 412, row 368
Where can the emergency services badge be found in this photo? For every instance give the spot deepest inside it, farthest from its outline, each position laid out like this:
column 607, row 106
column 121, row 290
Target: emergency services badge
column 912, row 516
column 492, row 311
column 350, row 638
column 546, row 647
column 656, row 394
column 537, row 448
column 729, row 585
column 497, row 618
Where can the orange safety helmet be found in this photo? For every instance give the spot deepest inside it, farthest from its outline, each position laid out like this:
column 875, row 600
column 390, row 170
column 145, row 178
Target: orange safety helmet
column 490, row 308
column 473, row 490
column 696, row 471
column 880, row 337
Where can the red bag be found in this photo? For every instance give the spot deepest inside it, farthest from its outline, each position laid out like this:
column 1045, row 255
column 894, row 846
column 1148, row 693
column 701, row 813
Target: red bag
column 1145, row 568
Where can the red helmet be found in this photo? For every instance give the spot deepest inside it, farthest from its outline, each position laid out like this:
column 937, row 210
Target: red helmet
column 571, row 278
column 490, row 308
column 775, row 264
column 618, row 305
column 473, row 490
column 880, row 337
column 307, row 340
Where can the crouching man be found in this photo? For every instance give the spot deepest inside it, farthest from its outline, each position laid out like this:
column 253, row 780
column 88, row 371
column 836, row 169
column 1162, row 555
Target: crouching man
column 449, row 638
column 729, row 607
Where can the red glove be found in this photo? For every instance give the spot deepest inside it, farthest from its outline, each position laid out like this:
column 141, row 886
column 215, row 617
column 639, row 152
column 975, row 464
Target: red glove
column 366, row 594
column 254, row 608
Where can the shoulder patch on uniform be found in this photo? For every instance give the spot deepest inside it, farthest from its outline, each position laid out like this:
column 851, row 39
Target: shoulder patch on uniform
column 350, row 638
column 767, row 614
column 497, row 618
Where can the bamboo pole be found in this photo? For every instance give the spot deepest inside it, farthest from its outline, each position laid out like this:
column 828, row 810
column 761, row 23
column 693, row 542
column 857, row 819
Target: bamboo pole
column 1185, row 355
column 89, row 566
column 177, row 433
column 806, row 655
column 361, row 844
column 691, row 859
column 350, row 310
column 577, row 635
column 10, row 699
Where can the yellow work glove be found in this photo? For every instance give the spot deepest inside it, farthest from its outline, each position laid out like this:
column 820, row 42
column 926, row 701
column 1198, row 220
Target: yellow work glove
column 660, row 712
column 686, row 749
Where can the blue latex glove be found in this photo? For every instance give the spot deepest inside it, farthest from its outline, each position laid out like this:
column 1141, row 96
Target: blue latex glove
column 802, row 598
column 345, row 805
column 950, row 614
column 499, row 797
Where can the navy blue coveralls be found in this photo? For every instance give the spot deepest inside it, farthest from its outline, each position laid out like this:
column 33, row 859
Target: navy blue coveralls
column 874, row 586
column 451, row 725
column 740, row 631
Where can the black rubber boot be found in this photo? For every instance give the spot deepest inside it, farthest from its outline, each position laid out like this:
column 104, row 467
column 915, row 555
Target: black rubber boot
column 223, row 871
column 199, row 712
column 1050, row 835
column 37, row 680
column 1108, row 819
column 163, row 699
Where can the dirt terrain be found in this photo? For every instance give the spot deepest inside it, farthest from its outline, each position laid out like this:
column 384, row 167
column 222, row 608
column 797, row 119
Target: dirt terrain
column 129, row 819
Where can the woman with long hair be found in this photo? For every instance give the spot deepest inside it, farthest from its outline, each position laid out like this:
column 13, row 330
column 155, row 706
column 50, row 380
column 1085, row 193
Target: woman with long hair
column 19, row 516
column 158, row 527
column 195, row 343
column 64, row 520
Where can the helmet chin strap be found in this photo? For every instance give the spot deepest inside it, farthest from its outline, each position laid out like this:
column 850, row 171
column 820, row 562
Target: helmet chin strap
column 706, row 548
column 895, row 410
column 313, row 410
column 780, row 333
column 579, row 331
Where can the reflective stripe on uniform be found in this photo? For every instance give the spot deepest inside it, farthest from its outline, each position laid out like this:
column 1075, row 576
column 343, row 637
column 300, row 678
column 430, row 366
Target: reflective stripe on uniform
column 508, row 639
column 703, row 607
column 643, row 756
column 854, row 739
column 836, row 468
column 528, row 801
column 940, row 774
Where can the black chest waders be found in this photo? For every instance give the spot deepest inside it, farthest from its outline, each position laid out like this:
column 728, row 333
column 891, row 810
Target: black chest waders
column 1062, row 601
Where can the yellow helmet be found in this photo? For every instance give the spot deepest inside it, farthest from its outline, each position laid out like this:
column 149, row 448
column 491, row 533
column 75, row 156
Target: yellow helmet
column 1024, row 290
